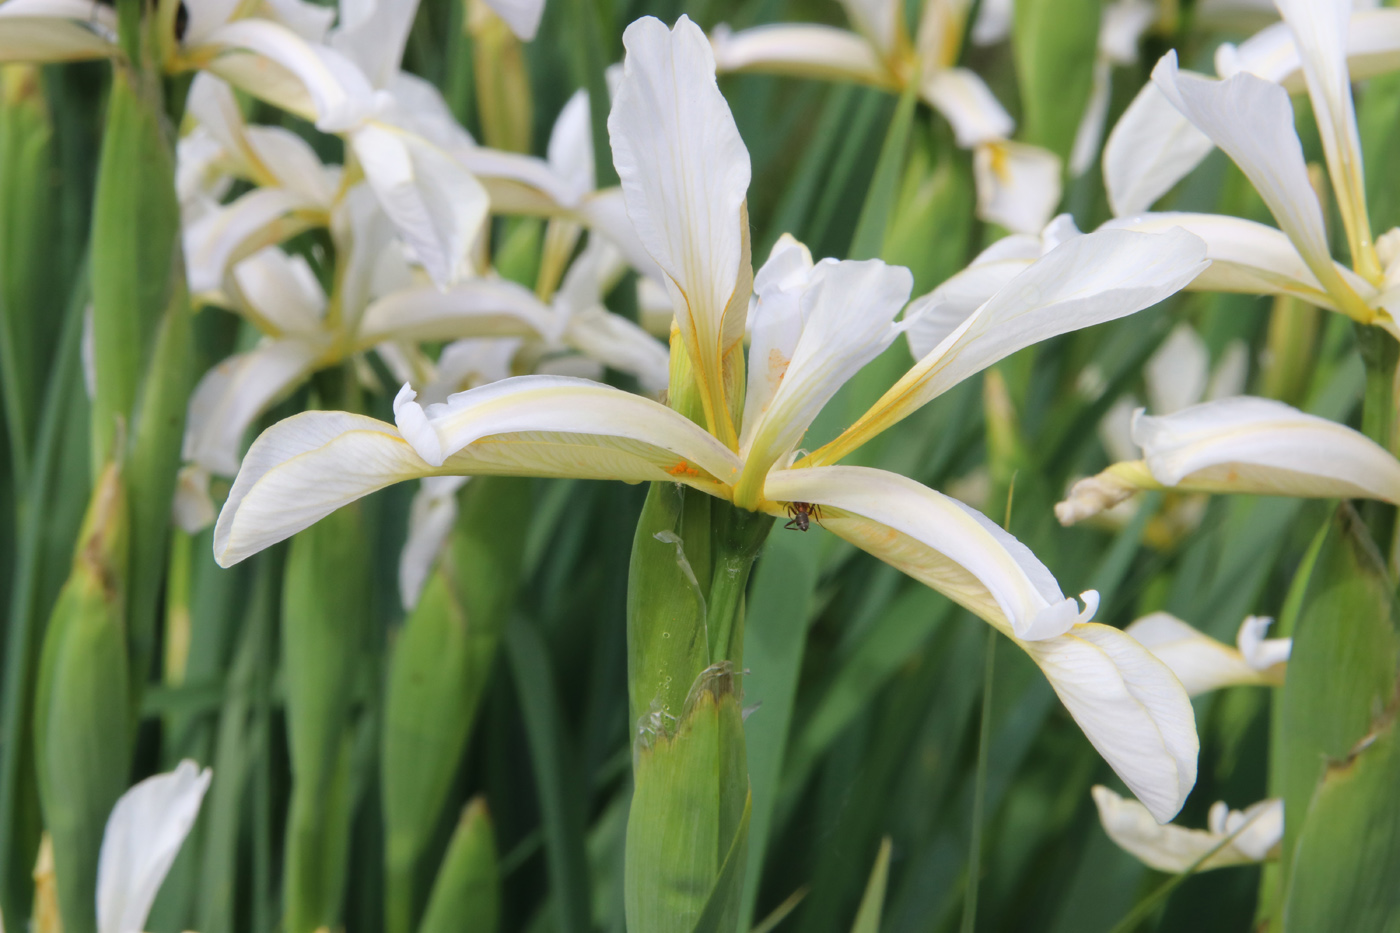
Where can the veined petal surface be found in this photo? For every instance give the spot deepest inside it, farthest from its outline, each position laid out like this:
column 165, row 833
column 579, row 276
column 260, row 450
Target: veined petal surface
column 1131, row 707
column 1257, row 445
column 938, row 541
column 143, row 835
column 685, row 174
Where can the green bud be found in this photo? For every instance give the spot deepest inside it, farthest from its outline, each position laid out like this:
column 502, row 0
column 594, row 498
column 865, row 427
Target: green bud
column 687, row 831
column 81, row 726
column 325, row 613
column 1055, row 44
column 440, row 667
column 467, row 892
column 502, row 80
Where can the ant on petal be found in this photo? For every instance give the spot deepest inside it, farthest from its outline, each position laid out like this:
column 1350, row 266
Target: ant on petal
column 801, row 515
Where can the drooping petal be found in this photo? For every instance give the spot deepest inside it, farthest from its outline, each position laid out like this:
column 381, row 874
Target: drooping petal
column 803, row 50
column 619, row 344
column 1018, row 185
column 1320, row 31
column 1257, row 445
column 1086, row 280
column 232, row 395
column 1151, row 148
column 143, row 835
column 430, row 519
column 56, row 30
column 685, row 174
column 938, row 541
column 1245, row 256
column 473, row 308
column 847, row 316
column 1203, row 664
column 1174, row 849
column 437, row 205
column 1131, row 707
column 271, row 62
column 556, row 404
column 522, row 16
column 1252, row 121
column 262, row 217
column 969, row 106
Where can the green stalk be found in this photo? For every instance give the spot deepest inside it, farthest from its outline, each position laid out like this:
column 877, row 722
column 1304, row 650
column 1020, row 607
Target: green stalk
column 1380, row 353
column 979, row 795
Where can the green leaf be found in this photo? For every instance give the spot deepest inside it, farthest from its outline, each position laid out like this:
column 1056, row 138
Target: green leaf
column 1347, row 855
column 1342, row 671
column 873, row 903
column 1055, row 43
column 869, row 237
column 467, row 892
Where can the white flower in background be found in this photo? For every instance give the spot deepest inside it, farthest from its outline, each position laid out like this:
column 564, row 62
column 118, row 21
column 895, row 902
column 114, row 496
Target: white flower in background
column 1120, row 30
column 1235, row 837
column 685, row 173
column 1203, row 664
column 1018, row 185
column 1242, row 445
column 1176, row 376
column 1169, row 129
column 144, row 833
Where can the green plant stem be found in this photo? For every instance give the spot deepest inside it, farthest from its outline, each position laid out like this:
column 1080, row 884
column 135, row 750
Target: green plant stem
column 979, row 796
column 741, row 536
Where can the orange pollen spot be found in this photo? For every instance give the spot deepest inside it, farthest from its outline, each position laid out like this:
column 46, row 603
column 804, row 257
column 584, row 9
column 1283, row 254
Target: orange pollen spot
column 683, row 468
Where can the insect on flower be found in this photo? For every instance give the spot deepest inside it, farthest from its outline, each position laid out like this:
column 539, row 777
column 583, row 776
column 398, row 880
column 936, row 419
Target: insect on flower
column 802, row 514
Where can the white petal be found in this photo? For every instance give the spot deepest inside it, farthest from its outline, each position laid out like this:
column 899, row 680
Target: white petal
column 474, row 308
column 1245, row 256
column 847, row 312
column 616, row 342
column 1086, row 280
column 804, row 50
column 1177, row 373
column 606, row 213
column 938, row 541
column 1018, row 185
column 292, row 164
column 143, row 835
column 1263, row 446
column 521, row 184
column 419, row 107
column 1116, row 430
column 56, row 30
column 1320, row 30
column 562, row 405
column 1151, row 148
column 993, row 24
column 775, row 322
column 281, row 290
column 1201, row 663
column 1131, row 707
column 1124, row 22
column 232, row 395
column 1231, row 372
column 326, row 87
column 466, row 364
column 570, row 151
column 878, row 20
column 1091, row 124
column 262, row 217
column 1174, row 849
column 969, row 106
column 430, row 519
column 374, row 39
column 309, row 20
column 685, row 173
column 934, row 316
column 437, row 205
column 522, row 16
column 192, row 509
column 1252, row 120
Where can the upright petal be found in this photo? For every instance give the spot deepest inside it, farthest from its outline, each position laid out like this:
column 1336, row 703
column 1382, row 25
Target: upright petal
column 803, row 50
column 1086, row 280
column 437, row 205
column 847, row 312
column 1177, row 373
column 880, row 21
column 1252, row 120
column 1320, row 31
column 1174, row 849
column 1151, row 148
column 373, row 37
column 522, row 16
column 1257, row 445
column 1018, row 185
column 1131, row 707
column 685, row 173
column 570, row 151
column 143, row 835
column 938, row 541
column 1203, row 664
column 775, row 325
